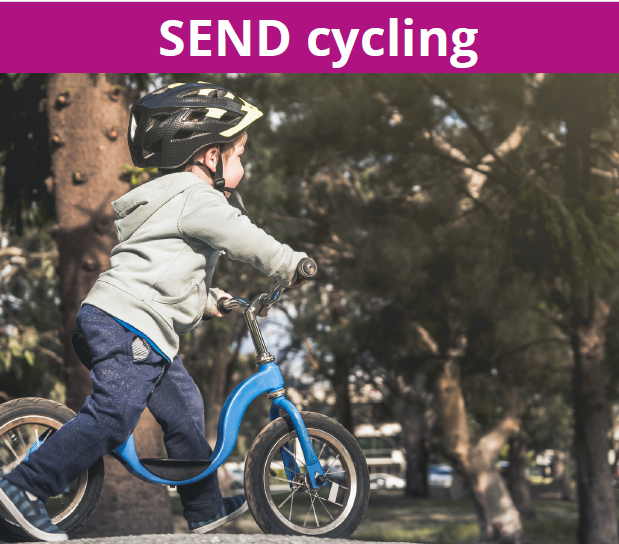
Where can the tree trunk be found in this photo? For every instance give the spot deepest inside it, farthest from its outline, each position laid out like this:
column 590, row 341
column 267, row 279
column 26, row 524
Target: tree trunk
column 343, row 402
column 517, row 473
column 562, row 472
column 497, row 517
column 597, row 522
column 409, row 410
column 87, row 162
column 597, row 511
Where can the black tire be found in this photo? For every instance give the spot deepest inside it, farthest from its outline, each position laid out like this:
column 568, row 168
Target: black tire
column 261, row 478
column 29, row 414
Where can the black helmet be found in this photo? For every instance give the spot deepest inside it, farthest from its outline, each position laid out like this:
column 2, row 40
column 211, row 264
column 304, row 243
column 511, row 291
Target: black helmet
column 170, row 124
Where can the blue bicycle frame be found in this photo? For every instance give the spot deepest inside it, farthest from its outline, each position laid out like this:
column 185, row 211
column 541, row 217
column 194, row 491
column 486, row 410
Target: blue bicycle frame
column 268, row 380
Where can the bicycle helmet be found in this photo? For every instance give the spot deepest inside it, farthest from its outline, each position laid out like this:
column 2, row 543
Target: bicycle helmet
column 170, row 124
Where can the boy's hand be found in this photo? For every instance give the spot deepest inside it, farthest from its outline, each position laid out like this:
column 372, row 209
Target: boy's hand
column 222, row 294
column 306, row 270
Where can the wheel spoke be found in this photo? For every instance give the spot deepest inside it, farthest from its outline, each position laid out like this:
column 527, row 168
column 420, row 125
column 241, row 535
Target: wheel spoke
column 327, row 500
column 315, row 516
column 338, row 485
column 291, row 494
column 23, row 442
column 334, row 460
column 324, row 445
column 295, row 457
column 36, row 434
column 284, row 467
column 308, row 511
column 10, row 448
column 290, row 515
column 287, row 481
column 323, row 505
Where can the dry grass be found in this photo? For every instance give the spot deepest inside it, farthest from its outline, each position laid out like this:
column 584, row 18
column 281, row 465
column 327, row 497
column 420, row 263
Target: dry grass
column 393, row 518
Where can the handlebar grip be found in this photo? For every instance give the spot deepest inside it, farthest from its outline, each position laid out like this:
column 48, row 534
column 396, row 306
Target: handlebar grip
column 221, row 307
column 306, row 269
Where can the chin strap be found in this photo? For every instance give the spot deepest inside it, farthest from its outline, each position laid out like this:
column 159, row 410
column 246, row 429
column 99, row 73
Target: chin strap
column 220, row 183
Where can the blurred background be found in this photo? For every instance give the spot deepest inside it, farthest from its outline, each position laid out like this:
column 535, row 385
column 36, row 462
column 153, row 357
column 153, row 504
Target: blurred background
column 464, row 323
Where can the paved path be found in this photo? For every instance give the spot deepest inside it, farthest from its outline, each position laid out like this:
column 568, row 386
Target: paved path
column 213, row 539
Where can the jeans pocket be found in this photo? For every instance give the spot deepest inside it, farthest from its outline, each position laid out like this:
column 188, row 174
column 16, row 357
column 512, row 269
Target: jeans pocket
column 140, row 349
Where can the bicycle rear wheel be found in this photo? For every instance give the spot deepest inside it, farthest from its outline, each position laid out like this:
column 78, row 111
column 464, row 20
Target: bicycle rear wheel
column 24, row 425
column 284, row 503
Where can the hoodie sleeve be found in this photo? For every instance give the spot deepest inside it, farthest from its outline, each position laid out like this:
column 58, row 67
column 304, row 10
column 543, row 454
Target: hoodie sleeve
column 212, row 296
column 208, row 217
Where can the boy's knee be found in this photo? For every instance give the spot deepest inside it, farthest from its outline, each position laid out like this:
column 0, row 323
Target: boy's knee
column 113, row 418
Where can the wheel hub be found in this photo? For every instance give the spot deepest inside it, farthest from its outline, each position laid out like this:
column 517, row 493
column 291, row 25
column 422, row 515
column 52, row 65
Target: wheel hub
column 302, row 483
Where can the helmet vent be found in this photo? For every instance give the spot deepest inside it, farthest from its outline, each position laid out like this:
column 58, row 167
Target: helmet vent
column 196, row 116
column 191, row 94
column 152, row 149
column 160, row 90
column 156, row 120
column 182, row 134
column 230, row 116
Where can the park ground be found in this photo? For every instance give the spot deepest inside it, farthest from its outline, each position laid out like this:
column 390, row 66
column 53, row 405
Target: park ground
column 392, row 518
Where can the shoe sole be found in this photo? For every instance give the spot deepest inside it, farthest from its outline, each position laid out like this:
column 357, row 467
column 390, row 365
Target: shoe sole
column 220, row 522
column 25, row 524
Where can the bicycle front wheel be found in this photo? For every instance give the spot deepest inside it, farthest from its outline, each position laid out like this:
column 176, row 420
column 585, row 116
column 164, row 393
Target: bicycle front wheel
column 286, row 504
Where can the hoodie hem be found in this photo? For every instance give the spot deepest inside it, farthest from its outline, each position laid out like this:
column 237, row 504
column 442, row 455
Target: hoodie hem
column 113, row 300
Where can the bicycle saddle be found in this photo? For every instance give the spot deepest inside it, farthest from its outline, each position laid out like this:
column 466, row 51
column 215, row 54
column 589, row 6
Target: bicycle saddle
column 81, row 349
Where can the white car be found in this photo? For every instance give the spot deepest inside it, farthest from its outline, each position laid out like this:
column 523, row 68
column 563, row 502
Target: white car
column 440, row 476
column 386, row 481
column 237, row 479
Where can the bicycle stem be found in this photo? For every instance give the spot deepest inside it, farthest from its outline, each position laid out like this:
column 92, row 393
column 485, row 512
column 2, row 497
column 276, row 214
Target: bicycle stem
column 258, row 307
column 262, row 353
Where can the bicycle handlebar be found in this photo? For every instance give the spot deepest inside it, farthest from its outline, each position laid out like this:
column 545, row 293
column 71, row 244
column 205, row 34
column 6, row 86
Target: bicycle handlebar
column 306, row 270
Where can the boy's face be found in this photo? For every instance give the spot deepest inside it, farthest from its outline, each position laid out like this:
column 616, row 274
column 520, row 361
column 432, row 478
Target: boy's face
column 233, row 168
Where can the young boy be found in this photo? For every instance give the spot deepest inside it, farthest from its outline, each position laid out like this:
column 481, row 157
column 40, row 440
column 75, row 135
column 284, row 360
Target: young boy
column 171, row 232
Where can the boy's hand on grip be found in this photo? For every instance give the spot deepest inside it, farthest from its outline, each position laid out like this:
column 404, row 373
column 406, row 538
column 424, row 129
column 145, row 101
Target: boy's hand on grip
column 306, row 270
column 222, row 296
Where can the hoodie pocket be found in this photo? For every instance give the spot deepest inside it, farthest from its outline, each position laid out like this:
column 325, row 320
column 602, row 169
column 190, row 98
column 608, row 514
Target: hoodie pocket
column 184, row 311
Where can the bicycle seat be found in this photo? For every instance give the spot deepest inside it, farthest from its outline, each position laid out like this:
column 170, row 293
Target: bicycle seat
column 81, row 349
column 176, row 469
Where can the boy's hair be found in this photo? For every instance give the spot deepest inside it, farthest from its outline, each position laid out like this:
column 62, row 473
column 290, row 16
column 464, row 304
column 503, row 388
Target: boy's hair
column 226, row 150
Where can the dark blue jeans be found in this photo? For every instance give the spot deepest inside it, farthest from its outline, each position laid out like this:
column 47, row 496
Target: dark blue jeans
column 127, row 377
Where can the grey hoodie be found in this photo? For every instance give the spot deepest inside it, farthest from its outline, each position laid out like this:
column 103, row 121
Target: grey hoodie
column 170, row 234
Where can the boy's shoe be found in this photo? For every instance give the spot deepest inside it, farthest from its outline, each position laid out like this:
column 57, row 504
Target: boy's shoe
column 29, row 513
column 231, row 508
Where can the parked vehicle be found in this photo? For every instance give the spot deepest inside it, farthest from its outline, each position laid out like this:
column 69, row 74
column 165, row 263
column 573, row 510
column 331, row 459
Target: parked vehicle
column 440, row 476
column 386, row 481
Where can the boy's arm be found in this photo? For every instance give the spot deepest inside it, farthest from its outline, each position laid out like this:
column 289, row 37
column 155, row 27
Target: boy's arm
column 208, row 217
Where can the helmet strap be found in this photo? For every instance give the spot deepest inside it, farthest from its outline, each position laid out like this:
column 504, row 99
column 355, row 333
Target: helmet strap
column 219, row 183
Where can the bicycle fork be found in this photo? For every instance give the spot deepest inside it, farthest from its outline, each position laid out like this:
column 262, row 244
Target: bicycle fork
column 312, row 463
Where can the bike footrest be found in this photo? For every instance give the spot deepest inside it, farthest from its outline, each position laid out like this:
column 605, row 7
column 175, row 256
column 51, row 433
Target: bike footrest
column 176, row 469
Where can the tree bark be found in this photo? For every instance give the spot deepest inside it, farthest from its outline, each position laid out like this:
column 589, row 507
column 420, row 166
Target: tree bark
column 597, row 520
column 562, row 471
column 518, row 483
column 343, row 403
column 498, row 519
column 87, row 162
column 410, row 411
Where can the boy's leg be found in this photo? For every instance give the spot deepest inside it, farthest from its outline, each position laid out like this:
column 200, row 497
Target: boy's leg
column 121, row 385
column 177, row 406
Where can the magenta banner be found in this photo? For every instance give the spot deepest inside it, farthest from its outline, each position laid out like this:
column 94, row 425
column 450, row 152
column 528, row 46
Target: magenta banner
column 309, row 37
